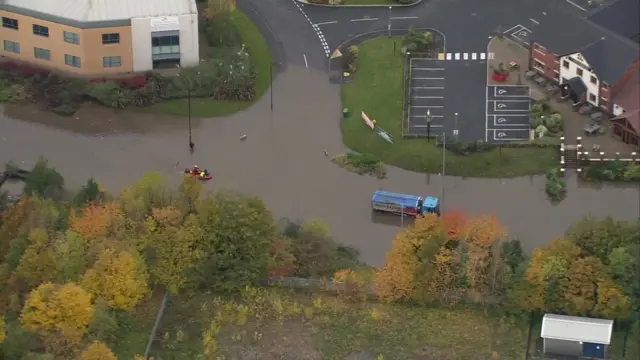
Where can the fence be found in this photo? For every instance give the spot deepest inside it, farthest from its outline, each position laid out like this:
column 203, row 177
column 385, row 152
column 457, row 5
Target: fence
column 586, row 158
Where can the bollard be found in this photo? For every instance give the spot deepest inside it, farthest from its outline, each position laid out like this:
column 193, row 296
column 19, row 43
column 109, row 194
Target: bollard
column 601, row 156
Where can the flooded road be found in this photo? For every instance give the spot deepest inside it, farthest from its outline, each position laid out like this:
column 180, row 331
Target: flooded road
column 283, row 162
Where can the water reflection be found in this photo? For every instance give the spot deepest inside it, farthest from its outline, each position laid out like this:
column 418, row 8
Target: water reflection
column 283, row 161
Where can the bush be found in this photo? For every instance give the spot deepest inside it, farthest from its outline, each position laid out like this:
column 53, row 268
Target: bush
column 351, row 59
column 406, row 2
column 322, row 2
column 416, row 41
column 110, row 94
column 361, row 164
column 613, row 171
column 556, row 186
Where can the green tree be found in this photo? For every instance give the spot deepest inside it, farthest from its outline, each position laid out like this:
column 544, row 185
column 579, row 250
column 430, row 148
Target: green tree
column 70, row 257
column 598, row 237
column 150, row 192
column 90, row 192
column 188, row 194
column 104, row 324
column 44, row 181
column 313, row 249
column 238, row 232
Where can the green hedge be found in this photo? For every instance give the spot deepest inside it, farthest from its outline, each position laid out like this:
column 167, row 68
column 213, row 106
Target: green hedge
column 556, row 187
column 613, row 171
column 361, row 164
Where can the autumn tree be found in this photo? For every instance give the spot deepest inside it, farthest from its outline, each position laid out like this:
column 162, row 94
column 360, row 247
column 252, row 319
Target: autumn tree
column 409, row 263
column 88, row 193
column 3, row 335
column 172, row 247
column 97, row 351
column 95, row 222
column 119, row 278
column 216, row 7
column 579, row 286
column 351, row 285
column 237, row 234
column 150, row 192
column 282, row 262
column 188, row 194
column 37, row 264
column 13, row 222
column 454, row 223
column 482, row 236
column 599, row 237
column 58, row 310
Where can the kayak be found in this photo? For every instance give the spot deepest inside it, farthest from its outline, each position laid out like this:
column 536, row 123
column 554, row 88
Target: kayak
column 197, row 174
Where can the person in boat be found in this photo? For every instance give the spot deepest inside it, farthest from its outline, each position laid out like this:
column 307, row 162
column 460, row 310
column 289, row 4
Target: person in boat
column 196, row 170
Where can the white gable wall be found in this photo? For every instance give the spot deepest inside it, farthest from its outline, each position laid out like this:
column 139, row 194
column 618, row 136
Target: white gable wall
column 576, row 61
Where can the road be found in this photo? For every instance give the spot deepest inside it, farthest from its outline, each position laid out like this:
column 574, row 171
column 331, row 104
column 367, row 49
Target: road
column 282, row 159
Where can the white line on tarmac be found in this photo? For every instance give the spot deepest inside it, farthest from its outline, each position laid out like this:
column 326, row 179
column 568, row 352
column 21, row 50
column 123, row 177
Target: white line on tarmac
column 326, row 23
column 421, row 78
column 511, row 28
column 534, row 21
column 363, row 19
column 576, row 5
column 404, row 17
column 306, row 64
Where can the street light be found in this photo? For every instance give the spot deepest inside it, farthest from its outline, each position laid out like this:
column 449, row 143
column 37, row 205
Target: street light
column 455, row 127
column 389, row 23
column 428, row 116
column 187, row 81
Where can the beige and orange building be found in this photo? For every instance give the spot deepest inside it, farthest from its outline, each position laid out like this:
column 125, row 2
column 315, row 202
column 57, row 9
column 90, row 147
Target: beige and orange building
column 100, row 37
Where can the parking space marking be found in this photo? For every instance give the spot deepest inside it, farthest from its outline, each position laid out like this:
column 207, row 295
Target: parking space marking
column 520, row 34
column 427, row 78
column 510, row 105
column 428, row 87
column 512, row 120
column 427, row 106
column 427, row 69
column 510, row 134
column 426, row 126
column 427, row 97
column 511, row 91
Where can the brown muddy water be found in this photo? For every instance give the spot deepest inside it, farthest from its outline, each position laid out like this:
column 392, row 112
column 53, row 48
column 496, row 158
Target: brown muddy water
column 282, row 160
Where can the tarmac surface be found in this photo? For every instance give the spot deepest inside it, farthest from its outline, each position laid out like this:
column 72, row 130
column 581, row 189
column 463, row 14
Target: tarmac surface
column 283, row 161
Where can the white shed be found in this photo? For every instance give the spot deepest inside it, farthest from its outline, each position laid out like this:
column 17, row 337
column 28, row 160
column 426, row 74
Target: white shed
column 576, row 336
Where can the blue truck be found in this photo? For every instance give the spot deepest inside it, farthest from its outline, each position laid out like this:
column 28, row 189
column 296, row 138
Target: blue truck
column 404, row 204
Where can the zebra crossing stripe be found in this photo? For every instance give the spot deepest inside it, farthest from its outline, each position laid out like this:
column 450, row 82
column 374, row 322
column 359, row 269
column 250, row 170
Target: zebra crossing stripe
column 448, row 56
column 441, row 56
column 482, row 56
column 457, row 56
column 474, row 56
column 465, row 56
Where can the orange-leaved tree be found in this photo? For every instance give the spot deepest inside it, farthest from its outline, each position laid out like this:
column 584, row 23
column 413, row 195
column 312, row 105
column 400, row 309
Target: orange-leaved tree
column 97, row 351
column 579, row 287
column 95, row 222
column 612, row 302
column 54, row 310
column 351, row 285
column 482, row 235
column 409, row 263
column 454, row 222
column 120, row 278
column 13, row 221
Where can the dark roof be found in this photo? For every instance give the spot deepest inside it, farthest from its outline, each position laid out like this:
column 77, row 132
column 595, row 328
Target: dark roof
column 609, row 54
column 629, row 96
column 621, row 17
column 577, row 85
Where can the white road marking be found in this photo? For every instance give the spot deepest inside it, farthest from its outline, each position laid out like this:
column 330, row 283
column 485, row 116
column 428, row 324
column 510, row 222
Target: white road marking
column 576, row 5
column 448, row 56
column 430, row 69
column 404, row 17
column 457, row 56
column 326, row 23
column 427, row 106
column 534, row 21
column 306, row 64
column 424, row 116
column 363, row 19
column 428, row 87
column 417, row 78
column 474, row 56
column 465, row 56
column 425, row 126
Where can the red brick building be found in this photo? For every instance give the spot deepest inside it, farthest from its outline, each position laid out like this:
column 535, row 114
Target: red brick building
column 594, row 60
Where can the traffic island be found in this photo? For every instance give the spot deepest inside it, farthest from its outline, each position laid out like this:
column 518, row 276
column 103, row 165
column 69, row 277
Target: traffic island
column 377, row 90
column 361, row 164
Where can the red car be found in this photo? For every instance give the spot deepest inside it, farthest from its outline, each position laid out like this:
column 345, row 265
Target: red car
column 201, row 174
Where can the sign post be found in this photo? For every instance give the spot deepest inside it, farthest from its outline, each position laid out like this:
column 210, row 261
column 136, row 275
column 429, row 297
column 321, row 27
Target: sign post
column 428, row 125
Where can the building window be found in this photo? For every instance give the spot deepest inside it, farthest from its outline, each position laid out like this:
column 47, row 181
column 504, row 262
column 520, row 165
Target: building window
column 565, row 64
column 165, row 45
column 111, row 61
column 42, row 54
column 592, row 97
column 71, row 37
column 72, row 60
column 10, row 23
column 594, row 80
column 604, row 104
column 556, row 75
column 12, row 46
column 113, row 38
column 579, row 72
column 538, row 65
column 40, row 30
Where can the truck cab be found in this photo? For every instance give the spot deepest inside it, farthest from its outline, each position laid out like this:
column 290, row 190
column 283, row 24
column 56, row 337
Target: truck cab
column 429, row 205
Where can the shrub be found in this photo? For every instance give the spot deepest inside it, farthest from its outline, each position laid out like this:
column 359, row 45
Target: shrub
column 110, row 94
column 322, row 2
column 613, row 171
column 416, row 41
column 556, row 186
column 336, row 2
column 405, row 2
column 361, row 164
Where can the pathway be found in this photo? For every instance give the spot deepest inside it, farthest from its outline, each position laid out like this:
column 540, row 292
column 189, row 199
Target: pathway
column 283, row 159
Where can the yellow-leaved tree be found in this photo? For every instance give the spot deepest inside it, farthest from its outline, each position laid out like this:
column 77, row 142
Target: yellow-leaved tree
column 481, row 235
column 37, row 264
column 3, row 334
column 54, row 310
column 409, row 265
column 117, row 277
column 97, row 351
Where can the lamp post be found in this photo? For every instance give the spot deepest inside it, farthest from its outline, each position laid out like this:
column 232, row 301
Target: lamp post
column 455, row 126
column 444, row 162
column 389, row 23
column 428, row 116
column 187, row 81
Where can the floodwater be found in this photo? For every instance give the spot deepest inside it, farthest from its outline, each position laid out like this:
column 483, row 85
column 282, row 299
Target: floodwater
column 282, row 161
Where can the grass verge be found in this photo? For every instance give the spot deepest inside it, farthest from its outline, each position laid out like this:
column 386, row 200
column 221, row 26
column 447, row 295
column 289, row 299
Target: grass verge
column 378, row 89
column 273, row 323
column 361, row 164
column 262, row 61
column 370, row 2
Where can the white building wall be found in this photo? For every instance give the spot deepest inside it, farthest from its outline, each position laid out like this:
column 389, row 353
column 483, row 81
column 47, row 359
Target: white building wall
column 141, row 29
column 617, row 110
column 572, row 72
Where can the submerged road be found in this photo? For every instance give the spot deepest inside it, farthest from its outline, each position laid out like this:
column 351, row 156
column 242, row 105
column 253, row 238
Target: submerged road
column 283, row 158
